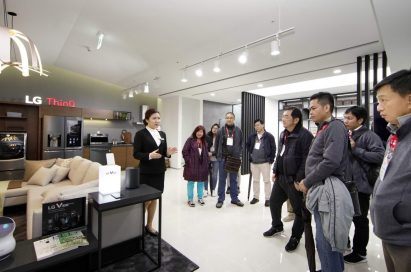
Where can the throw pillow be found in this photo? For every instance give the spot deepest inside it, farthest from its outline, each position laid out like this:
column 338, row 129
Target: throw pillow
column 42, row 177
column 30, row 167
column 78, row 170
column 64, row 162
column 92, row 172
column 61, row 173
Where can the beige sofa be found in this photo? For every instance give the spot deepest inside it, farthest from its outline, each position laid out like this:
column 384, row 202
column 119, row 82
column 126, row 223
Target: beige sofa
column 76, row 177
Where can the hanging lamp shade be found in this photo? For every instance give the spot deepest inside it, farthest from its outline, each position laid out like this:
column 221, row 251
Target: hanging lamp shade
column 27, row 51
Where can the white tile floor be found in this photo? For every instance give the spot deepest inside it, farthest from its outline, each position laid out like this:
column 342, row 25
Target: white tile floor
column 230, row 238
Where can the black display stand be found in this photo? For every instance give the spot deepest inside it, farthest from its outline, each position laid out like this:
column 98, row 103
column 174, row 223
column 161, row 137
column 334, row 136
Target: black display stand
column 102, row 203
column 24, row 257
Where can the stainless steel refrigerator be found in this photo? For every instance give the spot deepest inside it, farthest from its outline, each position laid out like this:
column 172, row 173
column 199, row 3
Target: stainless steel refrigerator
column 62, row 137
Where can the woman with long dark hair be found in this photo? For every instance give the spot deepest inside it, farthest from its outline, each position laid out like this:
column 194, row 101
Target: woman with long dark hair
column 150, row 147
column 211, row 136
column 195, row 154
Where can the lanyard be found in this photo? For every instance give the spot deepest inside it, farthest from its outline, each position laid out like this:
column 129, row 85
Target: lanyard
column 323, row 127
column 393, row 142
column 228, row 135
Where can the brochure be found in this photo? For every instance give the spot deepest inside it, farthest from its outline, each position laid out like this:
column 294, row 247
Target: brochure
column 59, row 243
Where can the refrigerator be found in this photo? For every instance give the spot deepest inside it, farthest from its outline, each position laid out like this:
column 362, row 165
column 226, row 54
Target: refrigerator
column 62, row 137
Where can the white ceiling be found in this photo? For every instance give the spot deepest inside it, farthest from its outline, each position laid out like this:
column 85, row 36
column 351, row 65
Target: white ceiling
column 148, row 39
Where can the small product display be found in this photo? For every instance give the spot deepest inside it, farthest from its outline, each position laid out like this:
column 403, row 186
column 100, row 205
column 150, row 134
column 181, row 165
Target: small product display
column 7, row 241
column 59, row 243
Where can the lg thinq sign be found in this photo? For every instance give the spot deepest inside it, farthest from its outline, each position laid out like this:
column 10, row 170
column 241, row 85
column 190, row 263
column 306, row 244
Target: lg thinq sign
column 51, row 101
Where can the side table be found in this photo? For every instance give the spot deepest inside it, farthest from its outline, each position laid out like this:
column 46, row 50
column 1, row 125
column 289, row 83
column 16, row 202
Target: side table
column 102, row 203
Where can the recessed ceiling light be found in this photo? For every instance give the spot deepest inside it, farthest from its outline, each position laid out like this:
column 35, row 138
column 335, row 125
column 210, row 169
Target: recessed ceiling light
column 212, row 94
column 337, row 71
column 260, row 85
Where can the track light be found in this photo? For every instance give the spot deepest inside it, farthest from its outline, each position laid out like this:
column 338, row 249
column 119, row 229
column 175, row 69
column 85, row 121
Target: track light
column 217, row 68
column 199, row 72
column 275, row 47
column 243, row 58
column 100, row 37
column 146, row 89
column 130, row 94
column 124, row 96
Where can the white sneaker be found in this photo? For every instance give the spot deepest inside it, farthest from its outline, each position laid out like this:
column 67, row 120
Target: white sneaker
column 205, row 193
column 201, row 201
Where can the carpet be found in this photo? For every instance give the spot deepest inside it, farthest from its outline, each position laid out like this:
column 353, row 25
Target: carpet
column 171, row 260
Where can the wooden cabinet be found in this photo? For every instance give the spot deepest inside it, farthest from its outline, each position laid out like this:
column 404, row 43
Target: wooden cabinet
column 131, row 161
column 86, row 152
column 123, row 154
column 120, row 155
column 99, row 114
column 60, row 111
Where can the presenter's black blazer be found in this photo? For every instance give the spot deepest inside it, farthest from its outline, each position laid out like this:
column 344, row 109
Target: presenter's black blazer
column 144, row 144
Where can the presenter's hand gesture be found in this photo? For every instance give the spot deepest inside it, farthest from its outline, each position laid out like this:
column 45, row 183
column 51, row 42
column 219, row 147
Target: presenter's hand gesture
column 171, row 151
column 155, row 155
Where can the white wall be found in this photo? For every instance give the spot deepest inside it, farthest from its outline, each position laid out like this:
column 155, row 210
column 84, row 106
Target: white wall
column 271, row 117
column 170, row 111
column 179, row 117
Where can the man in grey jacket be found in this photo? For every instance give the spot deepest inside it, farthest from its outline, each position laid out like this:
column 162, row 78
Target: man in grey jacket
column 366, row 150
column 229, row 142
column 328, row 156
column 391, row 204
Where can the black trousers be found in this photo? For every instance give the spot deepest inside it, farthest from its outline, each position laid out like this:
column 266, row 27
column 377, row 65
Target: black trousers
column 283, row 190
column 309, row 238
column 361, row 224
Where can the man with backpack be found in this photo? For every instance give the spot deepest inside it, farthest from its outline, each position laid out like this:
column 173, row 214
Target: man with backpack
column 367, row 153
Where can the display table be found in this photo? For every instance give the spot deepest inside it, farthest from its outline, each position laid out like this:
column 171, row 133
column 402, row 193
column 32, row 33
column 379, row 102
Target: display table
column 102, row 203
column 24, row 258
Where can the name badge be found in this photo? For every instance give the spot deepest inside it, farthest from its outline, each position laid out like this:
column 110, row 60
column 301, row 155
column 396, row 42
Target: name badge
column 384, row 166
column 230, row 141
column 282, row 151
column 257, row 146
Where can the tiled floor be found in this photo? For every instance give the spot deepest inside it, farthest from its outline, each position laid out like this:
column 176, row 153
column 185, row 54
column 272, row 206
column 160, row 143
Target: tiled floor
column 230, row 238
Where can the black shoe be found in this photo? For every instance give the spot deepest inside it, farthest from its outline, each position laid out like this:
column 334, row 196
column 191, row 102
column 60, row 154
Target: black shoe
column 292, row 244
column 354, row 258
column 219, row 205
column 273, row 231
column 267, row 203
column 228, row 191
column 254, row 200
column 151, row 233
column 238, row 203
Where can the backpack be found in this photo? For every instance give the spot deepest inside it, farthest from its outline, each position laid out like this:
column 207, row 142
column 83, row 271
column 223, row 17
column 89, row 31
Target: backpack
column 372, row 170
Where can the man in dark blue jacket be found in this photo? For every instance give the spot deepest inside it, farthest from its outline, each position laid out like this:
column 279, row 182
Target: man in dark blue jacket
column 261, row 146
column 289, row 167
column 391, row 202
column 366, row 149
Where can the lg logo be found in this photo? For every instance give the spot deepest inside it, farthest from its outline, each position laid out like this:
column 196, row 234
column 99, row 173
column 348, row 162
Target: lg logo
column 37, row 100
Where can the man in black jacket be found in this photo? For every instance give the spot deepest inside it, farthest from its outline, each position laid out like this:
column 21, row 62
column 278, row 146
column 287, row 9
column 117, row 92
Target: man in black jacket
column 366, row 149
column 289, row 167
column 261, row 146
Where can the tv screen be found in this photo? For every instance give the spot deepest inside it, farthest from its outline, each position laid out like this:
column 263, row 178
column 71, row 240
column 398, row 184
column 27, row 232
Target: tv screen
column 63, row 215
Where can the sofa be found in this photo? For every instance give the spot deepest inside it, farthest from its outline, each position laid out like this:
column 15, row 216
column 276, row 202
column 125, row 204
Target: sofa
column 70, row 178
column 49, row 181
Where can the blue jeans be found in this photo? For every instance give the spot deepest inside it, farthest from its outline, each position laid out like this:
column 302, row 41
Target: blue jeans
column 190, row 190
column 331, row 261
column 221, row 183
column 213, row 175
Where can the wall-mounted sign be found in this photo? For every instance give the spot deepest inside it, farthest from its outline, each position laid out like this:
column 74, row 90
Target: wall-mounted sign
column 51, row 101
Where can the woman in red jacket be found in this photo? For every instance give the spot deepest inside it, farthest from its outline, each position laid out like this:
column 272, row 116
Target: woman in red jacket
column 195, row 154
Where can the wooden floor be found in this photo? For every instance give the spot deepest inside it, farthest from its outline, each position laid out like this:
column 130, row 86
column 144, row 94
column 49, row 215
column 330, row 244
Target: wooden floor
column 18, row 213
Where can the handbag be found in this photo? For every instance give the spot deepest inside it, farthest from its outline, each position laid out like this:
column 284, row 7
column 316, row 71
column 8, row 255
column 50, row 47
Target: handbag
column 352, row 189
column 232, row 164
